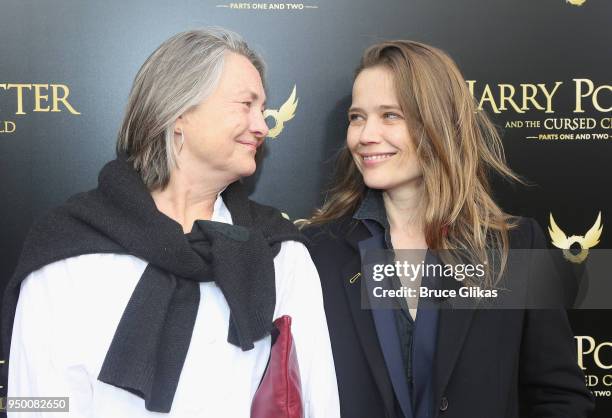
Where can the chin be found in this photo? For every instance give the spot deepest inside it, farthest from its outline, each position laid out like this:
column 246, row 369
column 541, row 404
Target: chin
column 247, row 170
column 377, row 183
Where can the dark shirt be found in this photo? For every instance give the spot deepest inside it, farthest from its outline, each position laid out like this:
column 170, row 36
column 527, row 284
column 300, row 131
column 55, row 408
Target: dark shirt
column 372, row 208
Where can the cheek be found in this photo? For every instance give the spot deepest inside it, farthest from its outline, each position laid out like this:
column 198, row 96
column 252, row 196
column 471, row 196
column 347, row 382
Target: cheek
column 352, row 138
column 411, row 165
column 241, row 123
column 240, row 120
column 399, row 138
column 228, row 129
column 228, row 125
column 351, row 144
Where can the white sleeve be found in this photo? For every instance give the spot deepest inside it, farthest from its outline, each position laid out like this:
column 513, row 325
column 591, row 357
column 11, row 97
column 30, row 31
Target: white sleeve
column 301, row 298
column 43, row 344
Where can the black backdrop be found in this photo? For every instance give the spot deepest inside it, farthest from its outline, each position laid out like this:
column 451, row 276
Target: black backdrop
column 93, row 50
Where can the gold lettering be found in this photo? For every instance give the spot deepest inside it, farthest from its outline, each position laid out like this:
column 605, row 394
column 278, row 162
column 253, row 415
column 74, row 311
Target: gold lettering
column 549, row 95
column 581, row 352
column 19, row 88
column 596, row 101
column 470, row 84
column 597, row 359
column 503, row 98
column 3, row 86
column 7, row 127
column 579, row 95
column 487, row 96
column 529, row 95
column 56, row 98
column 38, row 97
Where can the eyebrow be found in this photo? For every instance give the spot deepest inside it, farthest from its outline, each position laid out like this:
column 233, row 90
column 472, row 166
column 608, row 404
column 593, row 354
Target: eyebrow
column 381, row 107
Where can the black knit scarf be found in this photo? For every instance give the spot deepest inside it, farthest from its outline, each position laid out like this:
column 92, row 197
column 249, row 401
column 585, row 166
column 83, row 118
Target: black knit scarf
column 148, row 350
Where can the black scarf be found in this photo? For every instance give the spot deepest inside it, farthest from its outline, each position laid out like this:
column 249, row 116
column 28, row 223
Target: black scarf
column 148, row 350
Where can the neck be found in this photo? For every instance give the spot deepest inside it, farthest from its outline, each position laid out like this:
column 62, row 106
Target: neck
column 405, row 206
column 186, row 199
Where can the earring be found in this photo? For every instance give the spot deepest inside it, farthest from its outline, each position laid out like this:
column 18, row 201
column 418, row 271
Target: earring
column 182, row 141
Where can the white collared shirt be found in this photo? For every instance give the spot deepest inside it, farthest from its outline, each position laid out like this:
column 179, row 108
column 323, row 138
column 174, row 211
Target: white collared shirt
column 68, row 312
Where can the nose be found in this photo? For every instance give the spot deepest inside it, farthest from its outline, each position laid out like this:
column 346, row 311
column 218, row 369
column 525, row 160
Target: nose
column 258, row 126
column 370, row 132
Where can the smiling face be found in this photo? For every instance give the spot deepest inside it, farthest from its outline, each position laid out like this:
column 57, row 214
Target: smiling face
column 223, row 132
column 378, row 136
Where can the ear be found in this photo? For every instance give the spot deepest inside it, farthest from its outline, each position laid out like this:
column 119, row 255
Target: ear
column 179, row 125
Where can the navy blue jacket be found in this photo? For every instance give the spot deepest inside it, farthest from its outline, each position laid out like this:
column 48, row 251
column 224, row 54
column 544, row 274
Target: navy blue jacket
column 487, row 363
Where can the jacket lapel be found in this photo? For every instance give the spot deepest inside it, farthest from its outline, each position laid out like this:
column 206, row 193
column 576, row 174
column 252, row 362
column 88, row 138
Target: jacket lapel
column 453, row 327
column 362, row 318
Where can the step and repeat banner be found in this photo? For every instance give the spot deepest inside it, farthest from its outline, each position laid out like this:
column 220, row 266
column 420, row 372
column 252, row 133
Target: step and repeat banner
column 541, row 69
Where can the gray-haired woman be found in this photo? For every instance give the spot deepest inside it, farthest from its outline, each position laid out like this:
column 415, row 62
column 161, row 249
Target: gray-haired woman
column 156, row 291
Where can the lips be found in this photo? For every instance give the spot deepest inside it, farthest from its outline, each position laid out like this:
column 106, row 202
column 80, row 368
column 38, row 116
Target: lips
column 251, row 144
column 375, row 158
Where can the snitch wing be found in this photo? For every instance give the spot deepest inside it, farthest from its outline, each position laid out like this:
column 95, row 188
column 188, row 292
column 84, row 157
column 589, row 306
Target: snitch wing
column 287, row 110
column 591, row 238
column 559, row 239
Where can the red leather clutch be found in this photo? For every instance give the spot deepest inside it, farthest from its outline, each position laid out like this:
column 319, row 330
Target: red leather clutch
column 280, row 392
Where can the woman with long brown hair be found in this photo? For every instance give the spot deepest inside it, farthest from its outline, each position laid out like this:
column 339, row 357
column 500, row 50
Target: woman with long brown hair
column 415, row 174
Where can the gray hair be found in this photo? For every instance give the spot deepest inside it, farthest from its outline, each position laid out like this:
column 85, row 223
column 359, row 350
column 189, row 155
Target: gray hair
column 176, row 77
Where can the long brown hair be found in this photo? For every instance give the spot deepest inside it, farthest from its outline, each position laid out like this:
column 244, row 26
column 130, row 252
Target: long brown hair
column 458, row 147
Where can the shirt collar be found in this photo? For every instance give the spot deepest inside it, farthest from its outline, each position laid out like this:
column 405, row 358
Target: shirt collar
column 372, row 208
column 220, row 212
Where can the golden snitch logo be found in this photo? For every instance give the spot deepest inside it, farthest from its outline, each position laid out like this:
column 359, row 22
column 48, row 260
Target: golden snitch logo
column 576, row 2
column 589, row 240
column 282, row 115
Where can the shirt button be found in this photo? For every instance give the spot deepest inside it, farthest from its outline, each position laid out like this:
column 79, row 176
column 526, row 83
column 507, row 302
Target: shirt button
column 443, row 404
